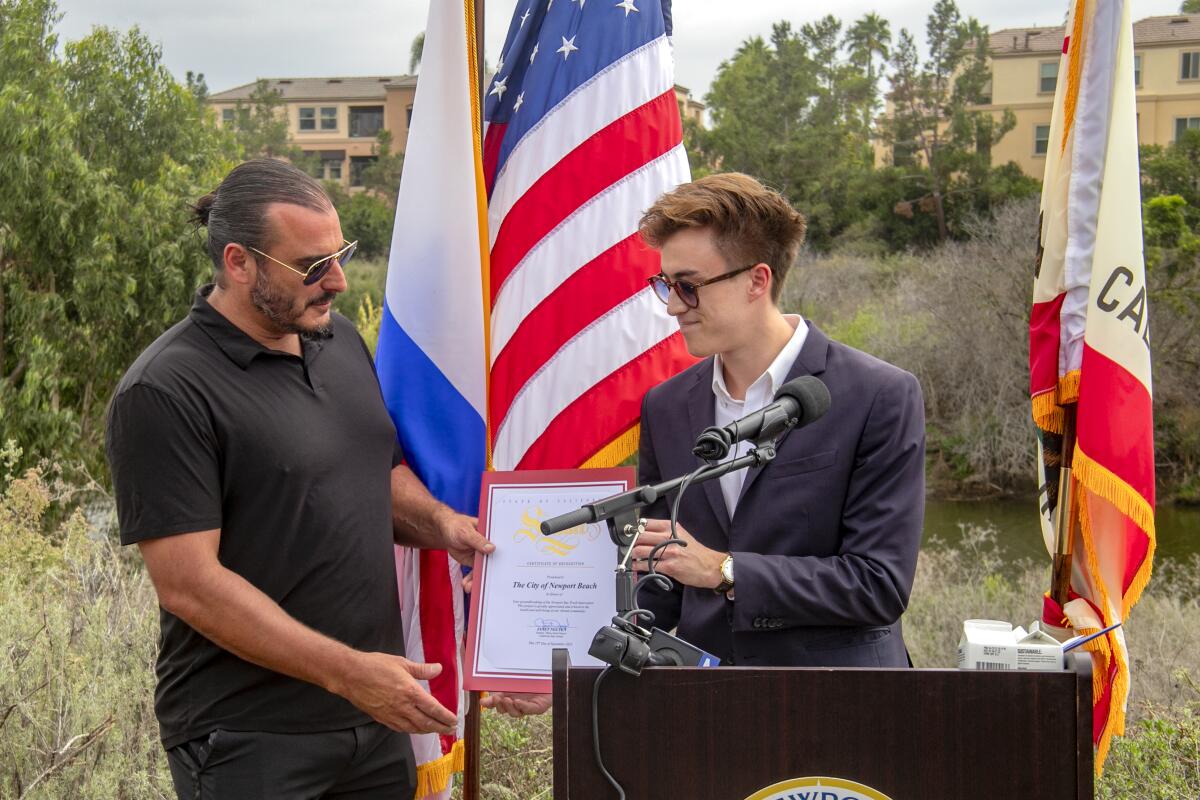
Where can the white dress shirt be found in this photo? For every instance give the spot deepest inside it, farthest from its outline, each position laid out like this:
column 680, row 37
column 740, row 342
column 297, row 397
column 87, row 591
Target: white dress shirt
column 758, row 396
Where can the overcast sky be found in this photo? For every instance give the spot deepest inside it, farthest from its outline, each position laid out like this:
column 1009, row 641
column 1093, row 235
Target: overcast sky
column 235, row 41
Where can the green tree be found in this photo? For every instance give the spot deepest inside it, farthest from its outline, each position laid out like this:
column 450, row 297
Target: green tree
column 415, row 51
column 868, row 37
column 197, row 85
column 1175, row 170
column 787, row 111
column 260, row 126
column 383, row 176
column 937, row 129
column 103, row 150
column 368, row 220
column 1190, row 7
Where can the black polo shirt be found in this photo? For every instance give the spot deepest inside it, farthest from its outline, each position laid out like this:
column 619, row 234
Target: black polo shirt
column 291, row 458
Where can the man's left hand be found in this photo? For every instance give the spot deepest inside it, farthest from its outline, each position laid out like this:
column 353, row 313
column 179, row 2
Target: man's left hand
column 461, row 536
column 517, row 704
column 693, row 565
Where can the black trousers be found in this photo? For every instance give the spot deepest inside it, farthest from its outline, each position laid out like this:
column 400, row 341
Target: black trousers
column 369, row 761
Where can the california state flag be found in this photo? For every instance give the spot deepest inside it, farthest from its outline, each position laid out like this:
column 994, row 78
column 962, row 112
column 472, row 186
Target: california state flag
column 1090, row 345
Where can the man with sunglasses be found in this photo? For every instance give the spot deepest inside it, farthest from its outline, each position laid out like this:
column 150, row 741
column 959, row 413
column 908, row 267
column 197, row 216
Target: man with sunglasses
column 256, row 467
column 809, row 560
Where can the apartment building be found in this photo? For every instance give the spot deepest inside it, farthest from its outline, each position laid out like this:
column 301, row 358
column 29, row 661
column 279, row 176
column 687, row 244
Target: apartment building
column 338, row 119
column 1025, row 64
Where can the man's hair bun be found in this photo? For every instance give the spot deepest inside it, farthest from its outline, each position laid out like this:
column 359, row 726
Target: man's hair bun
column 202, row 209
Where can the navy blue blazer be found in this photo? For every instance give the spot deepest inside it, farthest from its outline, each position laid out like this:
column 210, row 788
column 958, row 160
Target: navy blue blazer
column 824, row 538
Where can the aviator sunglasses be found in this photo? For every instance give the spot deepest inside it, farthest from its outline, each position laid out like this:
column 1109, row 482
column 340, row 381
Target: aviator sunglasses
column 688, row 292
column 317, row 269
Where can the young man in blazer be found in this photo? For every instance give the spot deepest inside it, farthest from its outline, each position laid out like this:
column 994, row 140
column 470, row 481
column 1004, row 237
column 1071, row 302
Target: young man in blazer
column 809, row 560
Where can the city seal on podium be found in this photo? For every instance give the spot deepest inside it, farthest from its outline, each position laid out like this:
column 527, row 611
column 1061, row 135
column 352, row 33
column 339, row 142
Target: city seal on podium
column 818, row 788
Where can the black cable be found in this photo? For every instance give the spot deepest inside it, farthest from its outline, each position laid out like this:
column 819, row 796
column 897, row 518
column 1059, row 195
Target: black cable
column 652, row 576
column 596, row 732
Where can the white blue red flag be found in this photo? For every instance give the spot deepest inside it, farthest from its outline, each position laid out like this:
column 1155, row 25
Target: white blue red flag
column 583, row 134
column 431, row 356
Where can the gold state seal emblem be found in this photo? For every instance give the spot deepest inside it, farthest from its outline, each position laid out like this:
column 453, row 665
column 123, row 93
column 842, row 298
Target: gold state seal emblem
column 818, row 788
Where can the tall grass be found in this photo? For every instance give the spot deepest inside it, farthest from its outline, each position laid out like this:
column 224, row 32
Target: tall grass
column 78, row 637
column 79, row 629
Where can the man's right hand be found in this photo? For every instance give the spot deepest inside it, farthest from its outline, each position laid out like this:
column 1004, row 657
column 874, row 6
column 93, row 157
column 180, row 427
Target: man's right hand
column 387, row 688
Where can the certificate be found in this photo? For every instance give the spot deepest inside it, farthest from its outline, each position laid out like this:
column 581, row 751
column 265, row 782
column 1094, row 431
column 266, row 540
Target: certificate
column 535, row 593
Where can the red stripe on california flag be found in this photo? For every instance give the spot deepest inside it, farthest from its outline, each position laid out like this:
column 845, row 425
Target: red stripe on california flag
column 607, row 409
column 1044, row 343
column 1116, row 421
column 437, row 631
column 492, row 142
column 592, row 291
column 610, row 154
column 1137, row 548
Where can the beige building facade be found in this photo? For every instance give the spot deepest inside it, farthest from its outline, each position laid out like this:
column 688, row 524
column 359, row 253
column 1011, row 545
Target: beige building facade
column 1025, row 64
column 338, row 119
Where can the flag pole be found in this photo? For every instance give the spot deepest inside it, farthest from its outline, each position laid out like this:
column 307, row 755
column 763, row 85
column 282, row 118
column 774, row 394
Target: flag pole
column 1064, row 523
column 471, row 729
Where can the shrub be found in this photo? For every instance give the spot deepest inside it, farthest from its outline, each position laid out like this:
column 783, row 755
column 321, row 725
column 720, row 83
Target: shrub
column 79, row 626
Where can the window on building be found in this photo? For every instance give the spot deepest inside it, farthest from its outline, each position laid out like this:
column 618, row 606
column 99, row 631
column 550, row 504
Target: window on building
column 357, row 165
column 308, row 119
column 1189, row 66
column 904, row 154
column 1041, row 139
column 366, row 120
column 329, row 118
column 226, row 116
column 1185, row 124
column 1047, row 76
column 1137, row 70
column 333, row 170
column 408, row 117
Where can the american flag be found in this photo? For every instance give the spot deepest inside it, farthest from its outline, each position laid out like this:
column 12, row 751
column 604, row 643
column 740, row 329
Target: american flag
column 582, row 134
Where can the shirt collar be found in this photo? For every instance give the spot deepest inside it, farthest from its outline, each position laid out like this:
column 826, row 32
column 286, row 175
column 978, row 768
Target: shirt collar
column 777, row 372
column 233, row 341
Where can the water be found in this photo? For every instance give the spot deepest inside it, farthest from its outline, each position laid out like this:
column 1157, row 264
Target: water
column 1020, row 535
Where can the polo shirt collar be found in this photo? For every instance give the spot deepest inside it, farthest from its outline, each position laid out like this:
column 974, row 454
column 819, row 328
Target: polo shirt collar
column 777, row 372
column 238, row 345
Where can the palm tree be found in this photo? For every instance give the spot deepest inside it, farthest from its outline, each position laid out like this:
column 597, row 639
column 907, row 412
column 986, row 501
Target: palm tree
column 416, row 50
column 870, row 35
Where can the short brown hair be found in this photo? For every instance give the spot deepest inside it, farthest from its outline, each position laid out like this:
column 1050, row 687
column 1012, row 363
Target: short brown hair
column 751, row 223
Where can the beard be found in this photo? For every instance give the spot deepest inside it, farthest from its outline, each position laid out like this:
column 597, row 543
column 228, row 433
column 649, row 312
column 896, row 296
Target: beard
column 285, row 311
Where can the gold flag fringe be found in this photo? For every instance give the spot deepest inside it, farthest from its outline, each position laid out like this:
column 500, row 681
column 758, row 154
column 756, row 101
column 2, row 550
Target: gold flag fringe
column 1074, row 71
column 1047, row 406
column 1115, row 724
column 616, row 451
column 1097, row 479
column 434, row 776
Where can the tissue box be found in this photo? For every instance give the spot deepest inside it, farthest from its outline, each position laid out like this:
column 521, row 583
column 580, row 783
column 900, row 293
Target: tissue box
column 991, row 645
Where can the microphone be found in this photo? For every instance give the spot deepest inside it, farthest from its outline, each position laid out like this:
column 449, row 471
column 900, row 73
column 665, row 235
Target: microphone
column 797, row 403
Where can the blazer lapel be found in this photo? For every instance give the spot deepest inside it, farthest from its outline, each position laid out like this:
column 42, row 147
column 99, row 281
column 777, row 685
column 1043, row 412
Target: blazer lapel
column 702, row 413
column 811, row 361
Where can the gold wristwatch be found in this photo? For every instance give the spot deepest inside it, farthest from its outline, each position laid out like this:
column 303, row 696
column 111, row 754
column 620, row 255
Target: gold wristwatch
column 726, row 583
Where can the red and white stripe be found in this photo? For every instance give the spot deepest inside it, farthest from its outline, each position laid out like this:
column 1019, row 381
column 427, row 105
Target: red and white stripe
column 576, row 335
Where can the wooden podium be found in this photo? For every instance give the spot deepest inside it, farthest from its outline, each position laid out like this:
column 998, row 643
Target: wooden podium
column 725, row 733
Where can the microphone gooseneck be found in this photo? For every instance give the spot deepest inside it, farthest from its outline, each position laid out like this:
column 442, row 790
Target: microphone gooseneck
column 797, row 403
